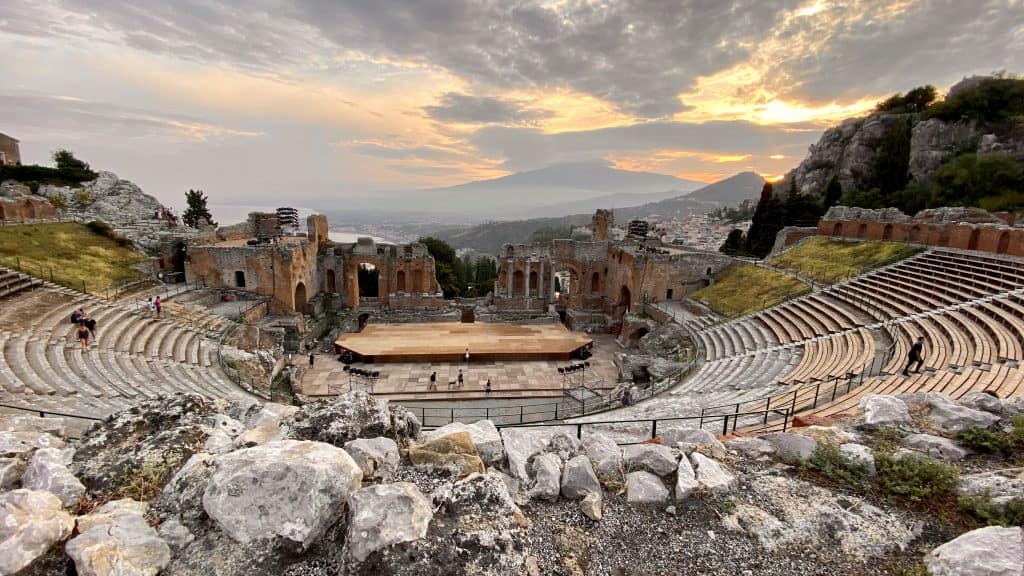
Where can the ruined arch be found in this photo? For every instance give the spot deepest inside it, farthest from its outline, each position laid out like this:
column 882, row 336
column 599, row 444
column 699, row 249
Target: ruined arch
column 332, row 282
column 887, row 232
column 1004, row 242
column 518, row 282
column 625, row 297
column 972, row 242
column 400, row 281
column 595, row 282
column 28, row 210
column 417, row 281
column 862, row 230
column 837, row 229
column 914, row 234
column 300, row 298
column 534, row 282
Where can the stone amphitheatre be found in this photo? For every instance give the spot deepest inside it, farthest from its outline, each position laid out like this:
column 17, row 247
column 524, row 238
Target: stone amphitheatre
column 274, row 421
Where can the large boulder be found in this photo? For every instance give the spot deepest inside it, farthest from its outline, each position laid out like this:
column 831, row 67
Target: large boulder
column 546, row 470
column 159, row 433
column 711, row 474
column 935, row 446
column 859, row 454
column 289, row 489
column 952, row 418
column 989, row 551
column 378, row 458
column 182, row 495
column 485, row 437
column 32, row 423
column 790, row 446
column 686, row 480
column 46, row 471
column 454, row 452
column 350, row 416
column 882, row 411
column 654, row 458
column 266, row 425
column 606, row 454
column 564, row 446
column 115, row 540
column 383, row 515
column 21, row 444
column 688, row 439
column 751, row 447
column 985, row 402
column 221, row 433
column 31, row 522
column 11, row 471
column 996, row 488
column 476, row 529
column 645, row 489
column 521, row 444
column 578, row 478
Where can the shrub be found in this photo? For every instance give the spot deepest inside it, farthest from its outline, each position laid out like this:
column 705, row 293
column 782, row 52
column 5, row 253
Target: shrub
column 992, row 514
column 829, row 461
column 915, row 477
column 888, row 439
column 147, row 480
column 83, row 198
column 985, row 441
column 103, row 229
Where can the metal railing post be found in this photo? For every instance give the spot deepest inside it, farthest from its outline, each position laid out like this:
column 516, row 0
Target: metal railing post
column 654, row 428
column 725, row 424
column 579, row 431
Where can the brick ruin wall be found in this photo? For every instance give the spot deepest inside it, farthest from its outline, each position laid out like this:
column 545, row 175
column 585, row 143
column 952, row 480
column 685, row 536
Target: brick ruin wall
column 994, row 238
column 26, row 208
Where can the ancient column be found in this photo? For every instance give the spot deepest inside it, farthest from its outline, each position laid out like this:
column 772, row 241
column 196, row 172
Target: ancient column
column 527, row 278
column 509, row 279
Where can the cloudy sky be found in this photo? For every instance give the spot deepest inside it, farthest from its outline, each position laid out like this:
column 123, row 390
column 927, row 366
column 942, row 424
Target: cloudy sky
column 334, row 98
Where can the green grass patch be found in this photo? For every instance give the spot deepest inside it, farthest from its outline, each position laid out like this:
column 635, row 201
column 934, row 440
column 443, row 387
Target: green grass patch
column 830, row 261
column 73, row 252
column 742, row 289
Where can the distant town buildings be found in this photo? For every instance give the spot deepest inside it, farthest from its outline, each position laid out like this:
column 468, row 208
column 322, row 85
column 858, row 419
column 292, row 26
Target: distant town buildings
column 9, row 152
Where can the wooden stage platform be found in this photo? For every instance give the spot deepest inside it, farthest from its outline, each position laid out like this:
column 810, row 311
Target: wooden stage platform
column 447, row 342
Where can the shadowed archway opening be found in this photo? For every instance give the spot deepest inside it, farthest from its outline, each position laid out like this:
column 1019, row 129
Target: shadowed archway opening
column 300, row 298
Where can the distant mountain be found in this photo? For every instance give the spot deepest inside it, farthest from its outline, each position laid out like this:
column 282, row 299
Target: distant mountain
column 729, row 192
column 529, row 193
column 489, row 237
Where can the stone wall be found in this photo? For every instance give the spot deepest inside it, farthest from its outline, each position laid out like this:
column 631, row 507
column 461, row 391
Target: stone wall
column 22, row 208
column 961, row 228
column 789, row 236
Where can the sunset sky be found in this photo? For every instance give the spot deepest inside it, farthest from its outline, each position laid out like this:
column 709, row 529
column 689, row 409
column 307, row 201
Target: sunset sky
column 333, row 98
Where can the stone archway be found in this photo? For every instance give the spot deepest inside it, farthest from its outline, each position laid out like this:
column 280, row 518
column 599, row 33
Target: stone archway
column 28, row 210
column 837, row 229
column 972, row 242
column 1004, row 242
column 534, row 279
column 518, row 283
column 300, row 298
column 887, row 232
column 625, row 297
column 914, row 234
column 332, row 282
column 595, row 282
column 862, row 230
column 400, row 281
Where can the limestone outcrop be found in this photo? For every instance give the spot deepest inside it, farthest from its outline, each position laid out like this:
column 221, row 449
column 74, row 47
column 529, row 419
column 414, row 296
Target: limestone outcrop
column 31, row 522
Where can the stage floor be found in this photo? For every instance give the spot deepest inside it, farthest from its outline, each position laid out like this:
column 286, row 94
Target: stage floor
column 447, row 342
column 509, row 380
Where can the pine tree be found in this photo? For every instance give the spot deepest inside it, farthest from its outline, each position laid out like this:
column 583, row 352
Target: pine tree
column 197, row 209
column 768, row 219
column 733, row 244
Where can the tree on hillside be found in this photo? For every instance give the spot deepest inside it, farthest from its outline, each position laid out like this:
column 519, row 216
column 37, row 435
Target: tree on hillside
column 769, row 217
column 801, row 209
column 833, row 193
column 992, row 181
column 916, row 101
column 733, row 244
column 65, row 160
column 196, row 210
column 450, row 272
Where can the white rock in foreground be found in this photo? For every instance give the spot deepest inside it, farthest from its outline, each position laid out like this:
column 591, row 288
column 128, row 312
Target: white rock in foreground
column 31, row 522
column 686, row 480
column 292, row 489
column 115, row 540
column 578, row 479
column 653, row 458
column 385, row 514
column 711, row 475
column 377, row 457
column 990, row 551
column 881, row 411
column 547, row 475
column 644, row 488
column 485, row 437
column 46, row 471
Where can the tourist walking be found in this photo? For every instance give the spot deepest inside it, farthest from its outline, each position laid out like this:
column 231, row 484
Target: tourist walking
column 158, row 306
column 83, row 336
column 76, row 316
column 467, row 355
column 915, row 356
column 461, row 379
column 626, row 400
column 487, row 387
column 433, row 381
column 151, row 305
column 310, row 359
column 90, row 325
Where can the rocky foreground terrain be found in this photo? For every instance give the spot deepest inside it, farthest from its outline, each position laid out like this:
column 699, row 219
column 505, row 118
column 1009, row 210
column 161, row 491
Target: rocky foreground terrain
column 189, row 486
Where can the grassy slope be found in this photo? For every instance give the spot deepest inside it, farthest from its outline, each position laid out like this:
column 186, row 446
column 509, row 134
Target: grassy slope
column 74, row 253
column 830, row 261
column 743, row 288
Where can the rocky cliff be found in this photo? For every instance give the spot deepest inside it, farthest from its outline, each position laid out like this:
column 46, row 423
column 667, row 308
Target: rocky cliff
column 192, row 487
column 853, row 151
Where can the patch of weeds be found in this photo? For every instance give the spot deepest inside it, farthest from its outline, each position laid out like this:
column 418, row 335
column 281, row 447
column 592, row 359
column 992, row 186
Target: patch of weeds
column 888, row 439
column 992, row 514
column 829, row 461
column 914, row 477
column 146, row 481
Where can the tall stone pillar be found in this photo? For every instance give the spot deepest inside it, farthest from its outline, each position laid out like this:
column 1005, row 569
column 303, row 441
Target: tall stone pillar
column 509, row 279
column 540, row 283
column 527, row 277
